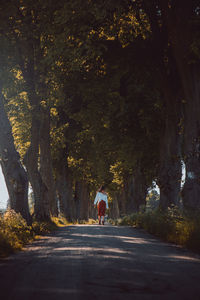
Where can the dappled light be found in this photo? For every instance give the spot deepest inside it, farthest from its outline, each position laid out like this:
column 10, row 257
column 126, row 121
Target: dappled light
column 100, row 125
column 85, row 260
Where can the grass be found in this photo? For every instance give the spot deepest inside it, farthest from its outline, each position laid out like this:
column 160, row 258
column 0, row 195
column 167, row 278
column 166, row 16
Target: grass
column 61, row 221
column 172, row 226
column 88, row 222
column 15, row 233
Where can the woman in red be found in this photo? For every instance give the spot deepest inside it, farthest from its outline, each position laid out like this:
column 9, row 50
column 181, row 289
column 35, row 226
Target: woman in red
column 101, row 200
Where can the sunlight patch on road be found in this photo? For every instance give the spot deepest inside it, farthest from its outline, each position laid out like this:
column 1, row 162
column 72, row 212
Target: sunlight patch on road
column 110, row 253
column 126, row 239
column 182, row 257
column 90, row 249
column 136, row 241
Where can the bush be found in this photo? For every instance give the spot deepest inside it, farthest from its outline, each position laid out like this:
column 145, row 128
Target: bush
column 43, row 227
column 60, row 221
column 87, row 222
column 5, row 246
column 15, row 233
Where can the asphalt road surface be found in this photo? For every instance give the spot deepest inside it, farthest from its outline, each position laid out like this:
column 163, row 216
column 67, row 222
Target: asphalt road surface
column 100, row 262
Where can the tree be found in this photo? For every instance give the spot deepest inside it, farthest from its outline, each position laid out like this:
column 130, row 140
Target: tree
column 14, row 173
column 25, row 33
column 183, row 33
column 96, row 113
column 137, row 26
column 105, row 83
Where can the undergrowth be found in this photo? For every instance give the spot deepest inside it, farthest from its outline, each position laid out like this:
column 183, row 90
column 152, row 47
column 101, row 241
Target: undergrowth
column 172, row 226
column 15, row 233
column 87, row 222
column 61, row 221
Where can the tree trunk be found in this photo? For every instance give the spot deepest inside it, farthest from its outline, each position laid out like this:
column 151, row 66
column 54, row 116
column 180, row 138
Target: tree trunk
column 114, row 209
column 122, row 201
column 40, row 191
column 14, row 173
column 130, row 192
column 82, row 200
column 64, row 187
column 191, row 190
column 183, row 32
column 137, row 190
column 169, row 177
column 140, row 190
column 170, row 170
column 46, row 162
column 92, row 209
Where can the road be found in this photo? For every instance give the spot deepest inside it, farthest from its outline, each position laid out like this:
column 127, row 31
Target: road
column 100, row 262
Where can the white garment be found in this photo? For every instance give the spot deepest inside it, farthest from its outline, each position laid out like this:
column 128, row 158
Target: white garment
column 99, row 197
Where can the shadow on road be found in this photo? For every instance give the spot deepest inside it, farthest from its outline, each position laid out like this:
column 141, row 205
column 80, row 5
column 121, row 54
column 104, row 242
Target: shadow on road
column 100, row 262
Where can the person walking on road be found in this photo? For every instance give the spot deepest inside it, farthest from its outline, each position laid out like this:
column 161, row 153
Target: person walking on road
column 101, row 200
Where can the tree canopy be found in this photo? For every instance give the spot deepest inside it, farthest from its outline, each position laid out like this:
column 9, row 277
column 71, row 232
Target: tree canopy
column 103, row 92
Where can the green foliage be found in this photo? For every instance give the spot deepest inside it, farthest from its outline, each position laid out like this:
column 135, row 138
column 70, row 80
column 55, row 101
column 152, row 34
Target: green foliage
column 60, row 221
column 104, row 105
column 152, row 200
column 15, row 233
column 107, row 100
column 97, row 66
column 5, row 246
column 172, row 226
column 89, row 222
column 43, row 227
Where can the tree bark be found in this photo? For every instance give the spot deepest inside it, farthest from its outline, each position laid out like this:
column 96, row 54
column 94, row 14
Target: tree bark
column 31, row 159
column 121, row 196
column 46, row 169
column 114, row 209
column 64, row 186
column 169, row 178
column 14, row 173
column 40, row 191
column 191, row 190
column 182, row 33
column 170, row 170
column 130, row 194
column 160, row 51
column 92, row 209
column 82, row 200
column 137, row 190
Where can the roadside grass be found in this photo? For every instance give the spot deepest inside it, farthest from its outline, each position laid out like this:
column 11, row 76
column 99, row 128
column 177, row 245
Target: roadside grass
column 87, row 222
column 15, row 233
column 61, row 221
column 172, row 226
